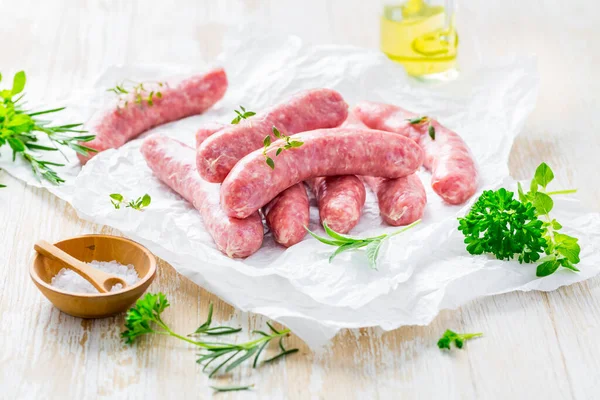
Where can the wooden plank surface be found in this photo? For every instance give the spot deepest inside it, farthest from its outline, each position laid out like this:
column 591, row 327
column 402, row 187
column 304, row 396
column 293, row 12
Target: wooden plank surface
column 536, row 345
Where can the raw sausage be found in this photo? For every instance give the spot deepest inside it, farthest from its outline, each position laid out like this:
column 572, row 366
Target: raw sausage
column 312, row 109
column 206, row 131
column 288, row 214
column 174, row 164
column 454, row 175
column 340, row 200
column 190, row 97
column 326, row 152
column 402, row 200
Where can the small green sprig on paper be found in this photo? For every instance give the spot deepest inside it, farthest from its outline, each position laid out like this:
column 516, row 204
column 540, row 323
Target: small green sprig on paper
column 118, row 199
column 243, row 114
column 138, row 91
column 458, row 339
column 346, row 243
column 289, row 144
column 19, row 129
column 506, row 227
column 423, row 120
column 146, row 318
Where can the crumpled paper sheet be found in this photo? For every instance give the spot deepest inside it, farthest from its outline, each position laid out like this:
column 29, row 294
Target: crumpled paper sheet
column 420, row 272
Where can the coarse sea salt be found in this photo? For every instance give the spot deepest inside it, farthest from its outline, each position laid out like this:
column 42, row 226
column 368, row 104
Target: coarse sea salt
column 71, row 281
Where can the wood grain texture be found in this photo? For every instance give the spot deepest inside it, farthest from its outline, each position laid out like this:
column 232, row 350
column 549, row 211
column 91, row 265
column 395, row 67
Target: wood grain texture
column 536, row 345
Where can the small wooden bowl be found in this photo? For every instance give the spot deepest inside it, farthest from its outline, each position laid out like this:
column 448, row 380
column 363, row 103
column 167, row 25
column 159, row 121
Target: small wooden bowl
column 95, row 248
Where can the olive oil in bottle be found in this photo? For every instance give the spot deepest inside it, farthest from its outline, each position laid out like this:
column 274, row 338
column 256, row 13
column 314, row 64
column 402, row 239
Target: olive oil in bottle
column 422, row 37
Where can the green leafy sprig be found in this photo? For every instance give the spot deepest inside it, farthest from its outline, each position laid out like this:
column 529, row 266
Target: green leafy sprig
column 423, row 120
column 561, row 250
column 118, row 199
column 458, row 339
column 145, row 318
column 136, row 90
column 345, row 243
column 289, row 144
column 506, row 227
column 243, row 114
column 19, row 128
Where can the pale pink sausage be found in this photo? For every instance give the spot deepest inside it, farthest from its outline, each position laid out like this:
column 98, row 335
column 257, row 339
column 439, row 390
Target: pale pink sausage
column 340, row 200
column 402, row 200
column 312, row 109
column 454, row 175
column 288, row 215
column 174, row 164
column 120, row 125
column 326, row 152
column 206, row 131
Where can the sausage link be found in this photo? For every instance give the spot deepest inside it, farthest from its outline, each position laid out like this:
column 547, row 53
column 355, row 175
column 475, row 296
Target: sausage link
column 340, row 200
column 312, row 109
column 454, row 175
column 288, row 215
column 326, row 152
column 174, row 164
column 207, row 131
column 401, row 201
column 120, row 125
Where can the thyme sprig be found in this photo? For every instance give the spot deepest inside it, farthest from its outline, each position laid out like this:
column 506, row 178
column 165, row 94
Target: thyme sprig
column 289, row 144
column 423, row 120
column 118, row 199
column 243, row 114
column 138, row 91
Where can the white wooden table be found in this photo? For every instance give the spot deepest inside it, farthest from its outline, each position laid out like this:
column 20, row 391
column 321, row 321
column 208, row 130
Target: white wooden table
column 536, row 345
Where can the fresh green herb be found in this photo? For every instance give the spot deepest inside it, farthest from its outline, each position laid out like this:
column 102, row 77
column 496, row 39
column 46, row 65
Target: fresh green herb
column 19, row 127
column 422, row 120
column 145, row 318
column 458, row 339
column 138, row 92
column 418, row 120
column 243, row 114
column 289, row 144
column 231, row 388
column 503, row 226
column 205, row 328
column 431, row 131
column 345, row 243
column 117, row 200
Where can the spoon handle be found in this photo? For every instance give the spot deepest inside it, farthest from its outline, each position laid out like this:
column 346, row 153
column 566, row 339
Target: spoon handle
column 92, row 275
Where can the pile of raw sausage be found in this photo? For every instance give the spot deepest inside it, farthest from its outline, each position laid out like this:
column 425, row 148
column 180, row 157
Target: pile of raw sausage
column 229, row 181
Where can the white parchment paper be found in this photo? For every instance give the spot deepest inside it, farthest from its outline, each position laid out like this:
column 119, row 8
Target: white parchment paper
column 420, row 272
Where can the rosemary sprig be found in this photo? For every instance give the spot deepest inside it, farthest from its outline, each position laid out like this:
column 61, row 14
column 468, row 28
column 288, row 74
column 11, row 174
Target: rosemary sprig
column 422, row 120
column 243, row 114
column 346, row 243
column 19, row 127
column 145, row 318
column 138, row 92
column 231, row 388
column 229, row 351
column 289, row 144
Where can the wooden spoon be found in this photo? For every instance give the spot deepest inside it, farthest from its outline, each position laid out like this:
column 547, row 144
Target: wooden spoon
column 102, row 281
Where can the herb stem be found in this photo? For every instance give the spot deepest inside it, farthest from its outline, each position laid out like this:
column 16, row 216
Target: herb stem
column 567, row 191
column 407, row 227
